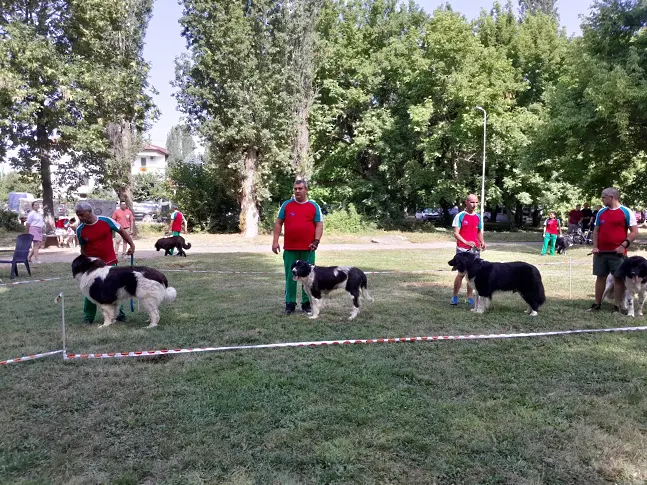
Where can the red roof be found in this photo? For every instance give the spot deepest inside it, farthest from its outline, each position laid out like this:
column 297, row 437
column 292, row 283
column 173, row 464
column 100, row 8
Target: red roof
column 155, row 148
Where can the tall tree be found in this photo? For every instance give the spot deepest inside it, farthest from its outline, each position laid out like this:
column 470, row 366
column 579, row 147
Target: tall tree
column 232, row 89
column 532, row 7
column 59, row 96
column 180, row 144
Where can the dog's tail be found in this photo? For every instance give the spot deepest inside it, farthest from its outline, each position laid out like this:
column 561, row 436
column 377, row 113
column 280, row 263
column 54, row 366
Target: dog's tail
column 170, row 294
column 608, row 288
column 364, row 288
column 186, row 245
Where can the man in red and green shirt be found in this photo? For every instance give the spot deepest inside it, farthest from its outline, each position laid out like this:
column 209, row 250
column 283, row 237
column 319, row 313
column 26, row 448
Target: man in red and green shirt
column 303, row 231
column 552, row 229
column 468, row 232
column 95, row 238
column 176, row 223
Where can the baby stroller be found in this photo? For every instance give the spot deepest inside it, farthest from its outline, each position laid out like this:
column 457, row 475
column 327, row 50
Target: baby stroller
column 583, row 236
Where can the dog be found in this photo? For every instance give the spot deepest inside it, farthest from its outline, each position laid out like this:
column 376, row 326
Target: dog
column 486, row 278
column 563, row 243
column 634, row 272
column 107, row 285
column 168, row 243
column 321, row 280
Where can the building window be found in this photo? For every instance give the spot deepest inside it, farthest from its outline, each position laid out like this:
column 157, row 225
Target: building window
column 142, row 161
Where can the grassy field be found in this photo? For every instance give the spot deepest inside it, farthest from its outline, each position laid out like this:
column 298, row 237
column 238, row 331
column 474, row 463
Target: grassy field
column 561, row 410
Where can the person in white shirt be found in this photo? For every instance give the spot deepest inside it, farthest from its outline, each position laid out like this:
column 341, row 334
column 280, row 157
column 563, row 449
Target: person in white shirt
column 34, row 226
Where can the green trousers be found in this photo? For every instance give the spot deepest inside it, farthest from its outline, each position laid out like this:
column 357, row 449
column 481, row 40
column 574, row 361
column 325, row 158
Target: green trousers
column 175, row 233
column 290, row 257
column 552, row 238
column 90, row 309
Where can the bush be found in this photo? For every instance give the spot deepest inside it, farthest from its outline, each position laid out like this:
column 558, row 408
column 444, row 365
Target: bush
column 9, row 221
column 150, row 229
column 349, row 221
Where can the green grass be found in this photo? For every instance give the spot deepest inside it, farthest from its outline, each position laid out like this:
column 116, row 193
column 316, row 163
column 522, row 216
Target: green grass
column 563, row 410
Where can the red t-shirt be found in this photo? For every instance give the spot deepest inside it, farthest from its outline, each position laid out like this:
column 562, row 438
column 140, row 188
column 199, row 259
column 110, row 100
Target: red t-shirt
column 613, row 225
column 177, row 217
column 124, row 218
column 60, row 223
column 299, row 224
column 574, row 216
column 469, row 225
column 552, row 226
column 97, row 239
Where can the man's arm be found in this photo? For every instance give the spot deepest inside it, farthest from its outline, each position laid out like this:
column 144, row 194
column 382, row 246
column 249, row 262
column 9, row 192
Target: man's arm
column 481, row 240
column 595, row 239
column 184, row 224
column 633, row 233
column 318, row 233
column 278, row 225
column 124, row 234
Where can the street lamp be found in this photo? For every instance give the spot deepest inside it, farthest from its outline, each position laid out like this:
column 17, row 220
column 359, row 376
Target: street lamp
column 483, row 176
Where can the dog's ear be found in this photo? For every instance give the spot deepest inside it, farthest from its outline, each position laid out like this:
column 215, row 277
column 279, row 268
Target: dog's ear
column 294, row 264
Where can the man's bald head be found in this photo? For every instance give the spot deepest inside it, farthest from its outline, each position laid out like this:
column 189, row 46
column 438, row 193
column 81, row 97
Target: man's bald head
column 471, row 201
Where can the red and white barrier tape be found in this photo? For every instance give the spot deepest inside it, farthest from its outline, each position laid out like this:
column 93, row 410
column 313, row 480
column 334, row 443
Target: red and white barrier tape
column 324, row 343
column 30, row 357
column 26, row 282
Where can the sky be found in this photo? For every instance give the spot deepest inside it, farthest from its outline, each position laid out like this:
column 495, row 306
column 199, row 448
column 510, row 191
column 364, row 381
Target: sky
column 164, row 43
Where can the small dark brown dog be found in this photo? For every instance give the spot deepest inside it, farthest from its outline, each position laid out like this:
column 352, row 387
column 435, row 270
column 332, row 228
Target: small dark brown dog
column 168, row 243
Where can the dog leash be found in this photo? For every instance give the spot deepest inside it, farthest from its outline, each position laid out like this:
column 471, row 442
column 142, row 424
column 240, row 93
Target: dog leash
column 132, row 302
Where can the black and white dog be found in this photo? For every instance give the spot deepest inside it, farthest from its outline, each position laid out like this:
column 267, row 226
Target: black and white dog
column 321, row 280
column 634, row 272
column 486, row 278
column 563, row 243
column 106, row 286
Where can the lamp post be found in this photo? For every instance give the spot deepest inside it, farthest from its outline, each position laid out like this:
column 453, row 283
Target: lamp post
column 483, row 175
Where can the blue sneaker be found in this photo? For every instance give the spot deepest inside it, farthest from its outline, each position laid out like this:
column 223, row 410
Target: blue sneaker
column 454, row 300
column 470, row 301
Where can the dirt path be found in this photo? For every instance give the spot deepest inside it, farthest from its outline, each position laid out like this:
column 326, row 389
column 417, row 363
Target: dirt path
column 58, row 255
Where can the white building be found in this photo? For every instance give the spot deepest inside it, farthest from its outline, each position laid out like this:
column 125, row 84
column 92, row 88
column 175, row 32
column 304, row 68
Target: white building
column 151, row 159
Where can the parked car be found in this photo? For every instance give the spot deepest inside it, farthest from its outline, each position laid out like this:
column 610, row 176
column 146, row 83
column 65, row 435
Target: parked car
column 429, row 214
column 147, row 211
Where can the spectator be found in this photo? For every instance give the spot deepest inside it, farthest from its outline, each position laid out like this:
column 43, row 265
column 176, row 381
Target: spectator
column 303, row 231
column 574, row 218
column 595, row 214
column 95, row 238
column 468, row 232
column 587, row 215
column 59, row 230
column 70, row 233
column 176, row 223
column 34, row 226
column 610, row 243
column 552, row 229
column 126, row 220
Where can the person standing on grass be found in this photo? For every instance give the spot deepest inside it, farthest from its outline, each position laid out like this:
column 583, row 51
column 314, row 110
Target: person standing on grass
column 303, row 231
column 468, row 232
column 574, row 218
column 94, row 234
column 126, row 220
column 34, row 226
column 552, row 229
column 176, row 223
column 615, row 230
column 587, row 215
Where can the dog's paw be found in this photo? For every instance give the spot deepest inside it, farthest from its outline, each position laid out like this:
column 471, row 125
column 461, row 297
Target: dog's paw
column 313, row 317
column 151, row 325
column 533, row 313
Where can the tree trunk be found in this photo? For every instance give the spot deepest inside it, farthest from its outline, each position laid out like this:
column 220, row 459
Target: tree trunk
column 301, row 150
column 518, row 215
column 42, row 139
column 249, row 215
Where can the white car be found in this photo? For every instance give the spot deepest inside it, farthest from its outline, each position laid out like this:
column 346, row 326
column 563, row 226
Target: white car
column 429, row 214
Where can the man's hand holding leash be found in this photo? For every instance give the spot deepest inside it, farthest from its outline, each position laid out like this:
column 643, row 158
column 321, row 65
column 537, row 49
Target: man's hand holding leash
column 276, row 248
column 314, row 245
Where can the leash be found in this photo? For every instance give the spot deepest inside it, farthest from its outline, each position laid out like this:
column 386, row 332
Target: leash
column 132, row 302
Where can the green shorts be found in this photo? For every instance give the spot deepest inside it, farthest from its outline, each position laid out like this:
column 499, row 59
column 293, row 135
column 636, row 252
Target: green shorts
column 605, row 263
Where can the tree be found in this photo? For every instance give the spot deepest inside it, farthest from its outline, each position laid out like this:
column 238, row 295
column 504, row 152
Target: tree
column 180, row 145
column 595, row 128
column 532, row 7
column 56, row 95
column 233, row 87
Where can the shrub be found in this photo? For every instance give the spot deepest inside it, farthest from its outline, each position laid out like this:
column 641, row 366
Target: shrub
column 349, row 221
column 9, row 221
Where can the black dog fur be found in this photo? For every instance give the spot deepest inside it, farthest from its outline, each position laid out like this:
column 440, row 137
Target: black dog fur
column 168, row 243
column 487, row 278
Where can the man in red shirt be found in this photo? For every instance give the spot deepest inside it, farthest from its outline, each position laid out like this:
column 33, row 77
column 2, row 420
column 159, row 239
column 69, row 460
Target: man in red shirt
column 125, row 218
column 610, row 243
column 303, row 231
column 95, row 238
column 575, row 216
column 468, row 232
column 176, row 223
